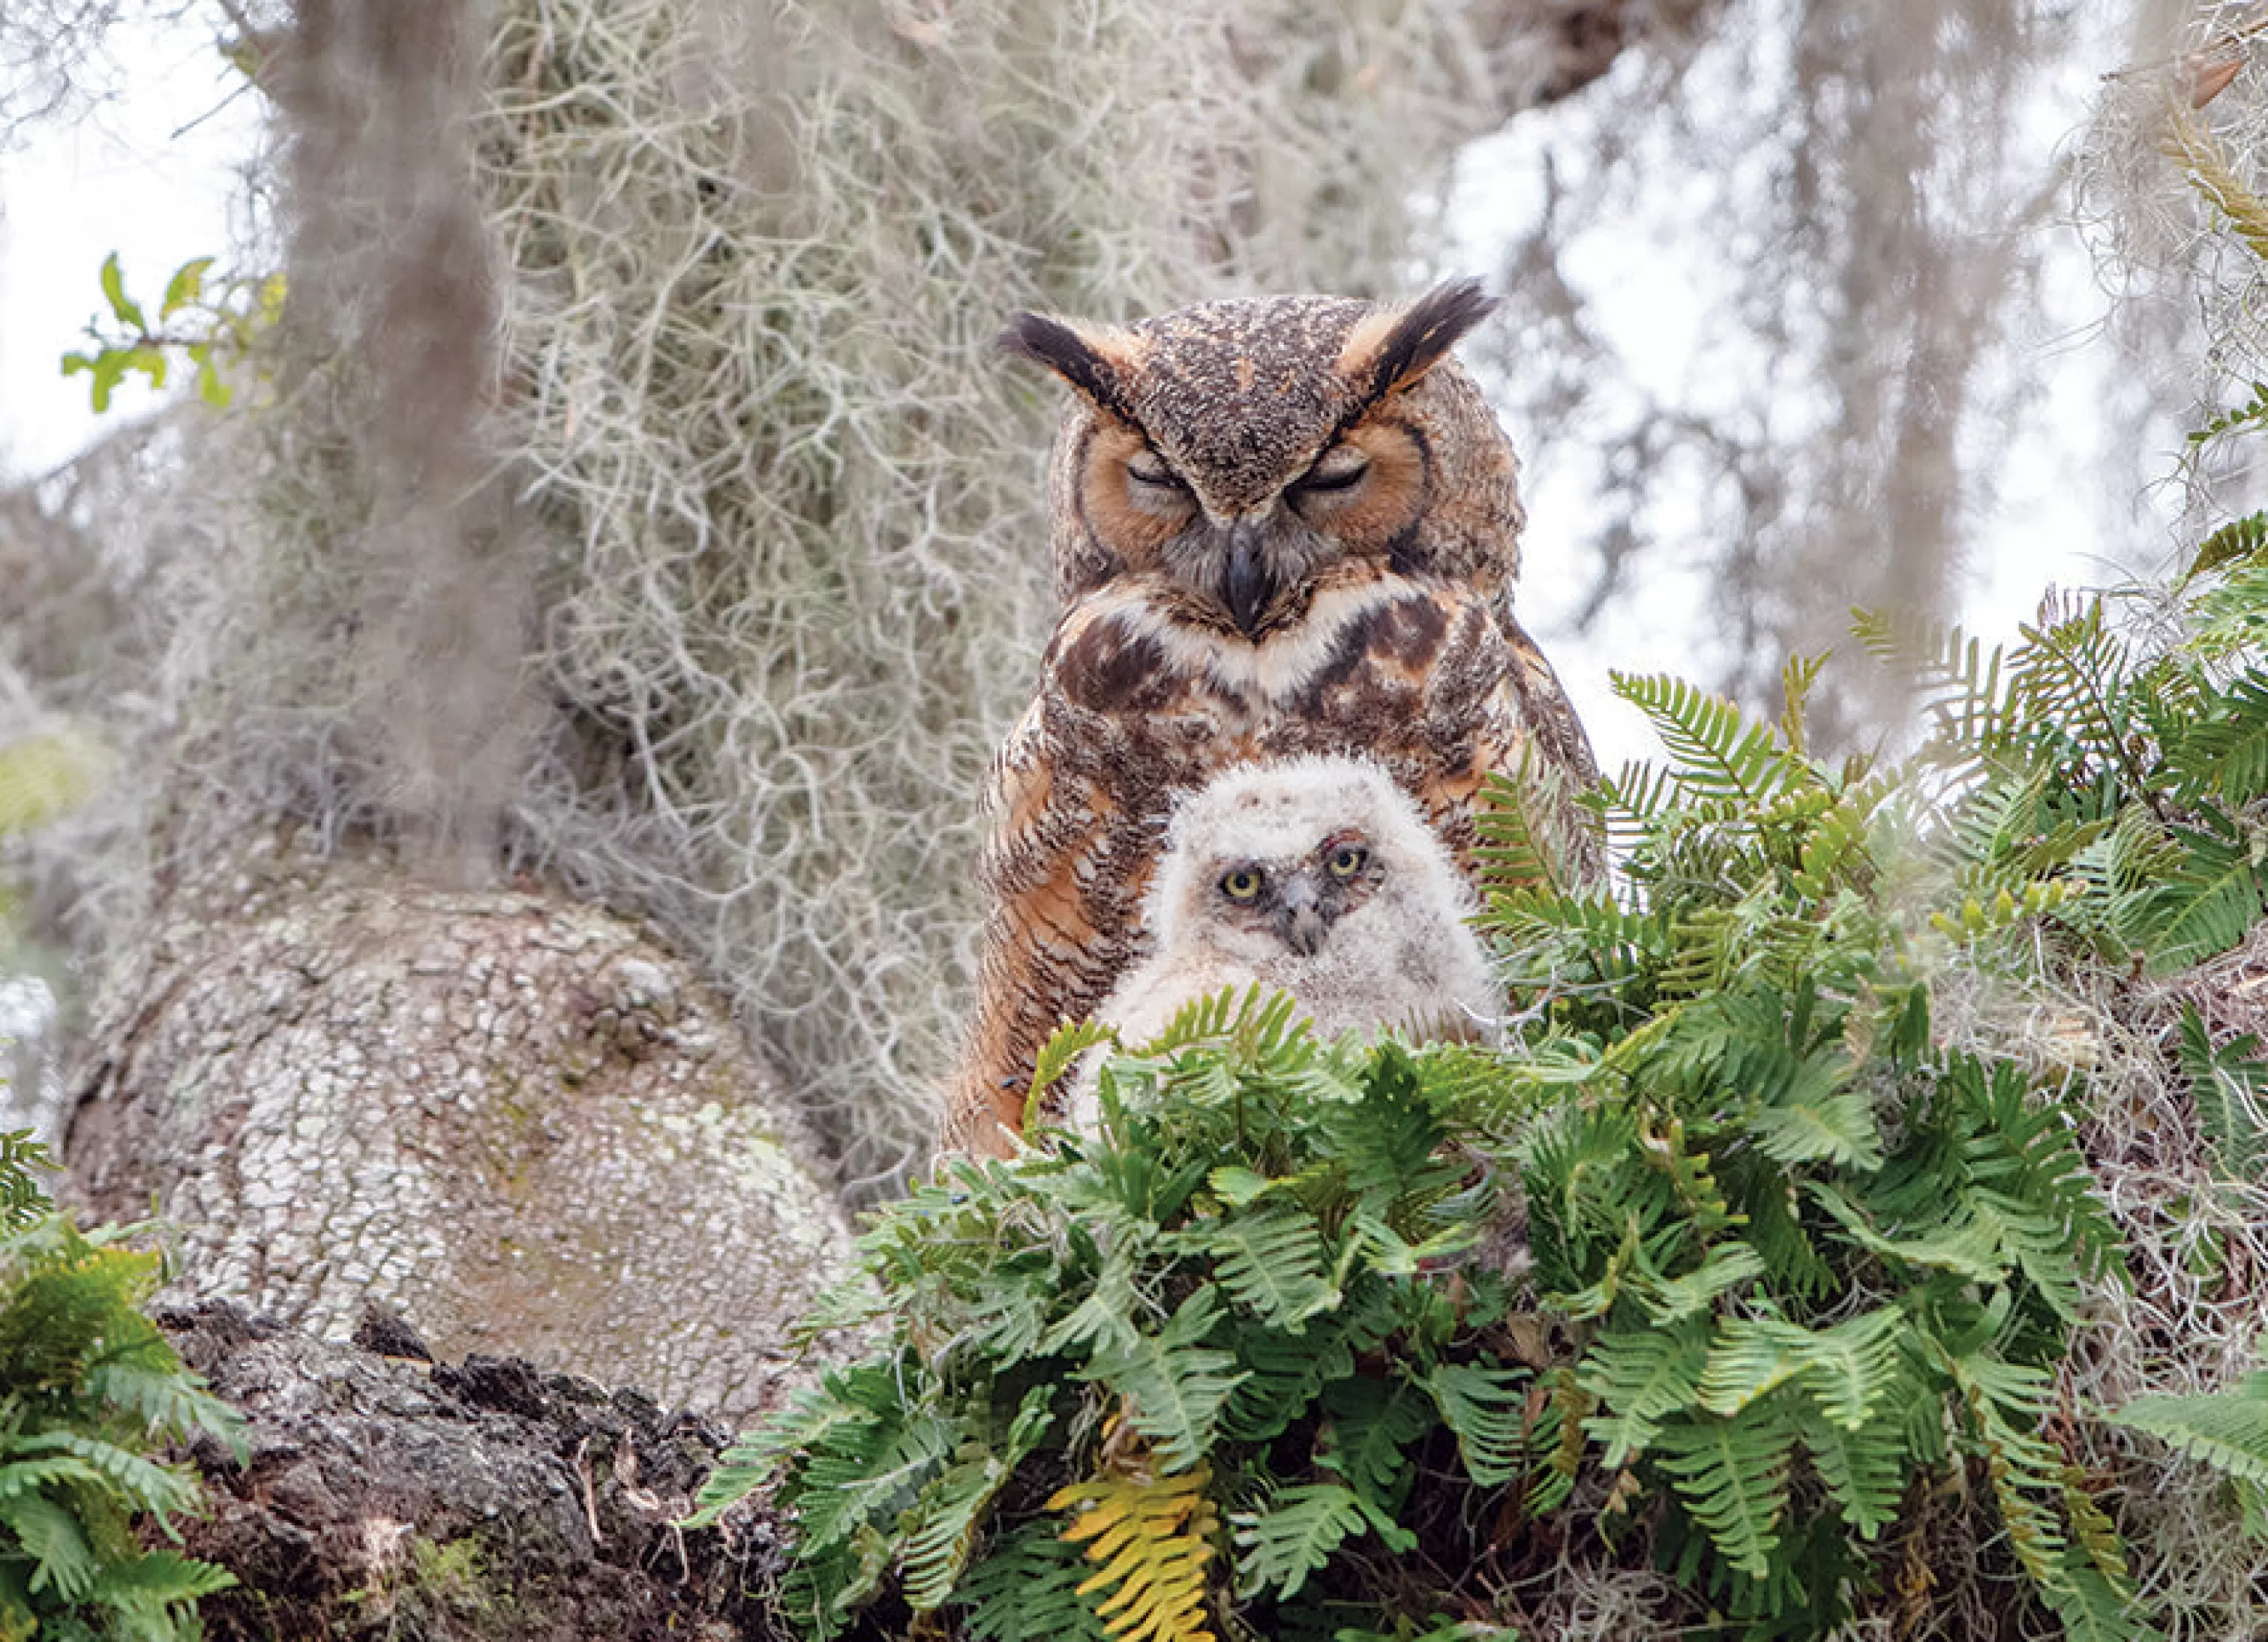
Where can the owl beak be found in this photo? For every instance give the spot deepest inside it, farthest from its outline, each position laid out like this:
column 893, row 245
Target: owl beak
column 1299, row 921
column 1247, row 586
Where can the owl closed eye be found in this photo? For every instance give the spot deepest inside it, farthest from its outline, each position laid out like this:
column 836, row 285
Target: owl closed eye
column 1239, row 526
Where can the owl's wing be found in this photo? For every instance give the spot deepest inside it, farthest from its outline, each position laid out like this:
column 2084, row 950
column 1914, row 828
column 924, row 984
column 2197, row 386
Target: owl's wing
column 1553, row 765
column 1061, row 923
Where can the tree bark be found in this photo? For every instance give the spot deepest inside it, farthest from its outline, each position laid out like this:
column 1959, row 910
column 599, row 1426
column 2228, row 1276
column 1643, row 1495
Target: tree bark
column 381, row 1497
column 512, row 1117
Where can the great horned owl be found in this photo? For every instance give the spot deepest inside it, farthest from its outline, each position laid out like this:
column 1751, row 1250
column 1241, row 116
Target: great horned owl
column 1317, row 876
column 1282, row 526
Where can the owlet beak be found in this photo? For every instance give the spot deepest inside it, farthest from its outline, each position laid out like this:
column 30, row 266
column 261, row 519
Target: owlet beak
column 1300, row 921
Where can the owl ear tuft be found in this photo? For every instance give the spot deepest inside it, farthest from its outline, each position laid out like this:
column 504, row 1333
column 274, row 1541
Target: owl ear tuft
column 1397, row 347
column 1093, row 360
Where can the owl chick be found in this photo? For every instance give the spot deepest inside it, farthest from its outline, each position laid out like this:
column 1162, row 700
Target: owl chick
column 1282, row 526
column 1319, row 877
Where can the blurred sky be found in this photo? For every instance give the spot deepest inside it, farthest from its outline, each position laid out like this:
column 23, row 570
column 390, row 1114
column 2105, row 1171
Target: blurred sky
column 151, row 174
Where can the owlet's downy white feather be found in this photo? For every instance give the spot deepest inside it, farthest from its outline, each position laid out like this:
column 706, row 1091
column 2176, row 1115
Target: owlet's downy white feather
column 1317, row 876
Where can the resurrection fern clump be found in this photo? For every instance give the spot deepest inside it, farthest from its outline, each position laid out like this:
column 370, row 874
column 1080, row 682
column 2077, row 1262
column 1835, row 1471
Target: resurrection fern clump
column 1810, row 1268
column 87, row 1387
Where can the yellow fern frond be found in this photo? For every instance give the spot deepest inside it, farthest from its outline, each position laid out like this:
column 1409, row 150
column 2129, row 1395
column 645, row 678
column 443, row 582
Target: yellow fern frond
column 1153, row 1537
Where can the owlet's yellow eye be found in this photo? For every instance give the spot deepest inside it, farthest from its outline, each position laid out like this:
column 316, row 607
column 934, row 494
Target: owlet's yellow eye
column 1346, row 860
column 1240, row 884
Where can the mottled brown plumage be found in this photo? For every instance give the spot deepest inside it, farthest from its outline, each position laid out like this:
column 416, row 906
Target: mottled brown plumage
column 1282, row 526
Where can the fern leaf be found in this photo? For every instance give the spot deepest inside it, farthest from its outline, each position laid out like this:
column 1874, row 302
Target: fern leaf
column 1852, row 1368
column 1297, row 1532
column 1865, row 1468
column 1716, row 753
column 812, row 1418
column 172, row 1404
column 2224, row 748
column 2006, row 1403
column 157, row 1580
column 2226, row 1430
column 1367, row 1443
column 1732, row 1474
column 1640, row 1379
column 1174, row 1385
column 2093, row 1609
column 1270, row 1262
column 1058, row 1056
column 1026, row 1586
column 1104, row 1319
column 1152, row 1538
column 1511, row 851
column 1749, row 1359
column 144, row 1483
column 940, row 1530
column 2213, row 900
column 1727, row 1266
column 2233, row 543
column 1486, row 1409
column 1958, row 683
column 2072, row 672
column 62, row 1561
column 2229, row 1087
column 1968, row 1249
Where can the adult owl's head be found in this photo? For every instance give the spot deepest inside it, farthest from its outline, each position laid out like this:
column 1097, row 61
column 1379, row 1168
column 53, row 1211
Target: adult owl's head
column 1239, row 454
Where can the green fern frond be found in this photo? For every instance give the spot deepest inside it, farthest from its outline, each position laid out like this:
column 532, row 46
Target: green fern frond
column 1961, row 685
column 170, row 1403
column 2093, row 1609
column 63, row 1558
column 1295, row 1533
column 1025, row 1589
column 1511, row 852
column 809, row 1423
column 864, row 1477
column 1669, row 1301
column 1366, row 1444
column 2025, row 1147
column 2223, row 746
column 1716, row 753
column 1174, row 1385
column 2235, row 543
column 1058, row 1056
column 1733, row 1476
column 2213, row 898
column 2006, row 1403
column 1271, row 1261
column 1486, row 1408
column 940, row 1530
column 2229, row 1088
column 2226, row 1430
column 1865, row 1468
column 21, row 1200
column 2072, row 669
column 1640, row 1378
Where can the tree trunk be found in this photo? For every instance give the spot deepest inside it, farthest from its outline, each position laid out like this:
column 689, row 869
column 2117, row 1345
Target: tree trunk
column 381, row 1497
column 514, row 1119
